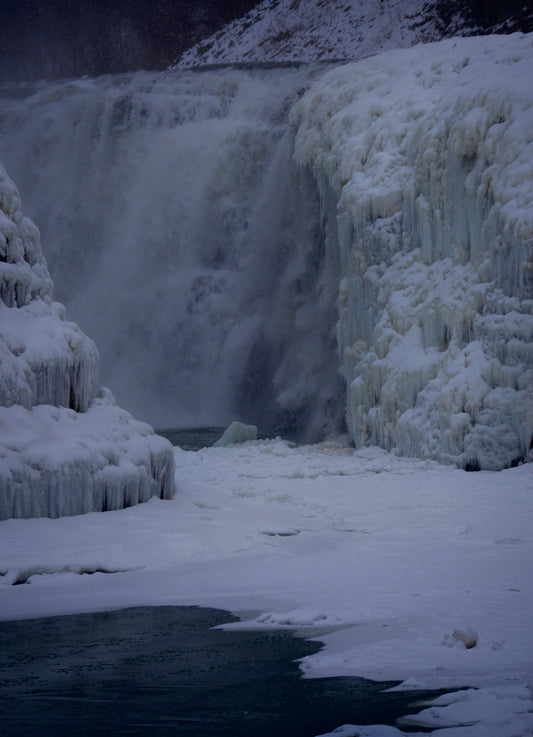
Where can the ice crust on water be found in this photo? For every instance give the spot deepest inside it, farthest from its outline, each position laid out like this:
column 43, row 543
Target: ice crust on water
column 64, row 449
column 427, row 169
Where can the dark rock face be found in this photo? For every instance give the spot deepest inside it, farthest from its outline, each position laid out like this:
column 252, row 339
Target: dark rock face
column 61, row 38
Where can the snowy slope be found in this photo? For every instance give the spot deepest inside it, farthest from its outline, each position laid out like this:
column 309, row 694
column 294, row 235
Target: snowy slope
column 308, row 30
column 425, row 158
column 62, row 449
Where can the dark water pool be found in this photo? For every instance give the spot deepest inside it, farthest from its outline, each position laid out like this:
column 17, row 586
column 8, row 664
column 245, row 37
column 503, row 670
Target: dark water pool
column 199, row 437
column 164, row 671
column 192, row 438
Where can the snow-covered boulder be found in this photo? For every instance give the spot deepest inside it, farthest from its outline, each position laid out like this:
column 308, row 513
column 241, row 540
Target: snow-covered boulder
column 63, row 450
column 425, row 158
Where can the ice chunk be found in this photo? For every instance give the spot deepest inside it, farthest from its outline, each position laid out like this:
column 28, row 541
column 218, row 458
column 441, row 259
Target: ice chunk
column 237, row 432
column 56, row 462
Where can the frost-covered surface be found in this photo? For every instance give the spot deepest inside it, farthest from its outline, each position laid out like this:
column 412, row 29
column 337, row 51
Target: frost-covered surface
column 44, row 359
column 62, row 450
column 308, row 30
column 58, row 462
column 424, row 161
column 237, row 432
column 387, row 560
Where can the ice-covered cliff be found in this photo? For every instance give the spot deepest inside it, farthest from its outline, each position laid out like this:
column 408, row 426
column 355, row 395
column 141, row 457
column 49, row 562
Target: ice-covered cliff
column 64, row 447
column 424, row 162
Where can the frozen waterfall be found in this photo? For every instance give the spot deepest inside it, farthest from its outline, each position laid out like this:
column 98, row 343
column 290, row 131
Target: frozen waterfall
column 235, row 240
column 425, row 159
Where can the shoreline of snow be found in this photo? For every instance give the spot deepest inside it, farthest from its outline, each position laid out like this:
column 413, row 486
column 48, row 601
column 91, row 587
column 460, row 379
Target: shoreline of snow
column 381, row 558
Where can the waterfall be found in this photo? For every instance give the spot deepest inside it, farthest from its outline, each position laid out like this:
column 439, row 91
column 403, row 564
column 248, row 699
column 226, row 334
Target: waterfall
column 234, row 238
column 183, row 240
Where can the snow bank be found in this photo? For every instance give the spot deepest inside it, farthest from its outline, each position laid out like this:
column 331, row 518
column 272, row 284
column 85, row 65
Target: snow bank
column 425, row 158
column 62, row 450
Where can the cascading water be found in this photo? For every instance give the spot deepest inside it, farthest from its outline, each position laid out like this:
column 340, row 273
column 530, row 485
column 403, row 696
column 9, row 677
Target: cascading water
column 183, row 240
column 229, row 245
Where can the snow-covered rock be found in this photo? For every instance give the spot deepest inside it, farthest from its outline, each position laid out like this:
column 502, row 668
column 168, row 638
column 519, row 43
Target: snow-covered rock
column 311, row 30
column 425, row 158
column 63, row 451
column 60, row 462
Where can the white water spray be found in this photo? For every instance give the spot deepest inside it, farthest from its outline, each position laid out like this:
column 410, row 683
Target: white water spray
column 183, row 240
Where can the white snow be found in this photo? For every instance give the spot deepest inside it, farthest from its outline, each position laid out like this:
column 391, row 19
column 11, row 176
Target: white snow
column 309, row 30
column 385, row 560
column 425, row 158
column 56, row 462
column 416, row 282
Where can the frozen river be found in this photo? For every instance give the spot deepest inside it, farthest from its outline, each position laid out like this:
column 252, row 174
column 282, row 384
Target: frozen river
column 391, row 563
column 169, row 670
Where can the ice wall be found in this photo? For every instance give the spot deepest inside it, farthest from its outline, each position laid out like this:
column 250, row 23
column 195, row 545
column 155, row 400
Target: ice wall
column 424, row 162
column 63, row 449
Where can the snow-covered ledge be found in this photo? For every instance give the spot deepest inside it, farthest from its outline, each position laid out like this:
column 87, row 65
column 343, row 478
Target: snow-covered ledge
column 65, row 447
column 425, row 158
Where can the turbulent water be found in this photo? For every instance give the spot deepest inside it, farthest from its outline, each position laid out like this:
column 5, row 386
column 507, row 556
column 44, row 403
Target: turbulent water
column 183, row 240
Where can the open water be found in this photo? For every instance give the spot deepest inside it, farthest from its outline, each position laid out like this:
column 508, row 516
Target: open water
column 169, row 671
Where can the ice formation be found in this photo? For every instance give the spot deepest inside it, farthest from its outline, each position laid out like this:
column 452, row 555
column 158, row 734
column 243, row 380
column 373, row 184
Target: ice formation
column 262, row 228
column 237, row 432
column 64, row 449
column 425, row 157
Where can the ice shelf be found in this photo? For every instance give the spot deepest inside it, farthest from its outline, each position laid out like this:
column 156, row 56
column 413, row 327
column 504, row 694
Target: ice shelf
column 65, row 447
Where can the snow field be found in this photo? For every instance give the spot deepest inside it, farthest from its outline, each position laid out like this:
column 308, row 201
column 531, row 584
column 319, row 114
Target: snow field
column 393, row 563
